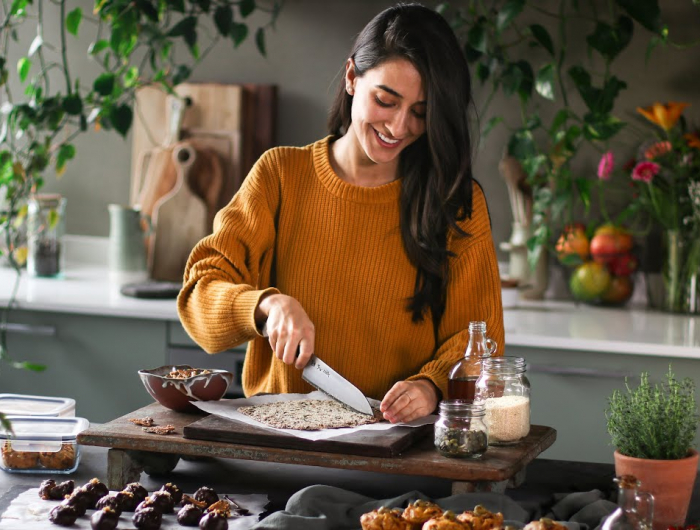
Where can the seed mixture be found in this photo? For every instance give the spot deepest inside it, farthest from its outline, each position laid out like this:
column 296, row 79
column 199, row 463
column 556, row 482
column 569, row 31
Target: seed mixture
column 307, row 415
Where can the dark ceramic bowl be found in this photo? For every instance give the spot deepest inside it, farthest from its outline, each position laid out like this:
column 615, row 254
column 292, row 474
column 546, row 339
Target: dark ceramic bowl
column 178, row 394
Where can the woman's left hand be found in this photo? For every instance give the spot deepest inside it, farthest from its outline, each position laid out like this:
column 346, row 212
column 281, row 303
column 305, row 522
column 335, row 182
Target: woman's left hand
column 409, row 400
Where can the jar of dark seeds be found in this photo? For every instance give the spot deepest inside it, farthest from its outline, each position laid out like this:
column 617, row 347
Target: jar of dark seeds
column 45, row 227
column 460, row 432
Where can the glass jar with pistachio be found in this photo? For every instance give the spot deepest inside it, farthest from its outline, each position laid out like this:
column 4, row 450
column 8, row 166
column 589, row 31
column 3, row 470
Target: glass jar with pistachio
column 460, row 431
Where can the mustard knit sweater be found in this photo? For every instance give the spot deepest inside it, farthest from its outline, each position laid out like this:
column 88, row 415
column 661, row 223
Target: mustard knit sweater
column 296, row 227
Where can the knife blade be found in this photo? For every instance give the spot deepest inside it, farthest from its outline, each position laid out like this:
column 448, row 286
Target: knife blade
column 321, row 376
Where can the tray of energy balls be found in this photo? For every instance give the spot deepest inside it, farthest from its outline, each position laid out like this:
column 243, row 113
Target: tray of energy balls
column 93, row 506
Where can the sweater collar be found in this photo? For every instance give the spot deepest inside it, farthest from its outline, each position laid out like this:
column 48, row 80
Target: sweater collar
column 344, row 190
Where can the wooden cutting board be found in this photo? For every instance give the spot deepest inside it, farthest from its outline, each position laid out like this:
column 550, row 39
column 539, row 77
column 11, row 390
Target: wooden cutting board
column 387, row 443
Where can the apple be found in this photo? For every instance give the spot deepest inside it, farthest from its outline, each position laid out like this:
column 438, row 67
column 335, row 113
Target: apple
column 619, row 290
column 610, row 242
column 623, row 265
column 589, row 281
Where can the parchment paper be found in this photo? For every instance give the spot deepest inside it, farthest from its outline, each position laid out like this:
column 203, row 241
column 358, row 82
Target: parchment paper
column 228, row 408
column 29, row 512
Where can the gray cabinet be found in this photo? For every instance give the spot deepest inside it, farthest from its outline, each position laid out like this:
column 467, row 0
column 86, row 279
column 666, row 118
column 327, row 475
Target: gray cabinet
column 570, row 391
column 92, row 359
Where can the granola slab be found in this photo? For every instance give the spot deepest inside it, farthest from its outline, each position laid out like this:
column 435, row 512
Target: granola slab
column 307, row 415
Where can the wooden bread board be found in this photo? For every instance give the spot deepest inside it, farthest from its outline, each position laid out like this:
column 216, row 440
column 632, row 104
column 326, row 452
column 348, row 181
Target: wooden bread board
column 385, row 444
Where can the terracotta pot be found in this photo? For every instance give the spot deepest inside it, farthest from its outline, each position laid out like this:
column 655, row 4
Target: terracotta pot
column 669, row 481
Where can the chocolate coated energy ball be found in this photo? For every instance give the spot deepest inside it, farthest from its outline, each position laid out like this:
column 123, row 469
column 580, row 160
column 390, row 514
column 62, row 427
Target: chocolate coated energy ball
column 206, row 494
column 213, row 521
column 140, row 493
column 189, row 515
column 147, row 519
column 63, row 515
column 174, row 490
column 111, row 502
column 104, row 519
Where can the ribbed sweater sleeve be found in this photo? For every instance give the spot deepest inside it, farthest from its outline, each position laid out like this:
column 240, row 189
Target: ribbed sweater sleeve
column 225, row 271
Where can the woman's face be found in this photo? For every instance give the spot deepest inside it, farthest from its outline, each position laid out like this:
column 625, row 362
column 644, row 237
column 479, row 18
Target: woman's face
column 388, row 108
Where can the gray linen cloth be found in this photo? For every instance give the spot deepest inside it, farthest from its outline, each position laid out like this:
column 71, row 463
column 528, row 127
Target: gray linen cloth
column 330, row 508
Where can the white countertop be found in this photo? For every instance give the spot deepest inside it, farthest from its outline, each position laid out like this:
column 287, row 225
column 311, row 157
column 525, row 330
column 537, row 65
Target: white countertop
column 85, row 288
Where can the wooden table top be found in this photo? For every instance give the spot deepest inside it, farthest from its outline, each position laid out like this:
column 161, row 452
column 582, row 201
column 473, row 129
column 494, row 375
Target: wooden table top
column 497, row 464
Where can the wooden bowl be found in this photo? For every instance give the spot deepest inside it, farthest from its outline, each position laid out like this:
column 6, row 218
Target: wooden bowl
column 178, row 393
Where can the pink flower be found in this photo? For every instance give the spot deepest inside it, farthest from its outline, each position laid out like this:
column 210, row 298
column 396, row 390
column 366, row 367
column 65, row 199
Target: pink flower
column 605, row 167
column 645, row 171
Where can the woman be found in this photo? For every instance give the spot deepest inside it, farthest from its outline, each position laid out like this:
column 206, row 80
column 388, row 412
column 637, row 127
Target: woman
column 371, row 247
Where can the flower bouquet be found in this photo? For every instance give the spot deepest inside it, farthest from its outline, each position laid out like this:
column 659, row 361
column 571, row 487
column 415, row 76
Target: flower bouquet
column 666, row 180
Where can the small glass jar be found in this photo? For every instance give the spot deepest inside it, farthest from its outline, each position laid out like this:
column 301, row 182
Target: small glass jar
column 45, row 227
column 504, row 390
column 460, row 431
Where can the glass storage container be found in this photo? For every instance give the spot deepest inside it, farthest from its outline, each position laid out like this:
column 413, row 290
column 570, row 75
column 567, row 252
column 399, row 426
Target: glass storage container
column 463, row 375
column 504, row 390
column 26, row 405
column 460, row 431
column 635, row 509
column 41, row 445
column 45, row 227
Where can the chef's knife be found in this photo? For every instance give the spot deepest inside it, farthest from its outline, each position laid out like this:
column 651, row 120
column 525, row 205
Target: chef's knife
column 321, row 376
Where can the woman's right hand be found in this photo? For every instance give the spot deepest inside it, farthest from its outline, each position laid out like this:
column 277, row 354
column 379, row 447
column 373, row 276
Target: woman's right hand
column 288, row 328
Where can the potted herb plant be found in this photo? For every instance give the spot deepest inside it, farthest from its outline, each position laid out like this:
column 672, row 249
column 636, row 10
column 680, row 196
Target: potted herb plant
column 653, row 427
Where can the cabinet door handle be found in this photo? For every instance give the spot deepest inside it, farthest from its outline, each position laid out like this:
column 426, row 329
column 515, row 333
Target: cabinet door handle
column 576, row 371
column 28, row 329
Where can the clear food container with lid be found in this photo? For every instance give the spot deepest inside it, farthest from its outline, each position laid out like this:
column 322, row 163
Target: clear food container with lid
column 27, row 405
column 41, row 444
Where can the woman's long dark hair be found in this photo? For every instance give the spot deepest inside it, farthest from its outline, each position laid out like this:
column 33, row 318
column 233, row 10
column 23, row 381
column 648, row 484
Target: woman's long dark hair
column 436, row 170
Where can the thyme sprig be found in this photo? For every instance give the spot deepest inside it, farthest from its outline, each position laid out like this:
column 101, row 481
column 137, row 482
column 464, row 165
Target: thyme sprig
column 656, row 421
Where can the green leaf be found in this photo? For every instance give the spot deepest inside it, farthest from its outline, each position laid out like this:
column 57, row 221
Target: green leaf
column 104, row 84
column 646, row 12
column 482, row 72
column 73, row 21
column 65, row 153
column 527, row 80
column 181, row 74
column 97, row 47
column 522, row 145
column 149, row 11
column 512, row 78
column 541, row 35
column 24, row 365
column 490, row 125
column 477, row 37
column 121, row 118
column 18, row 7
column 508, row 12
column 239, row 32
column 610, row 41
column 601, row 127
column 532, row 165
column 559, row 120
column 186, row 25
column 177, row 5
column 544, row 83
column 23, row 67
column 223, row 18
column 246, row 7
column 73, row 104
column 131, row 77
column 204, row 5
column 583, row 185
column 260, row 41
column 36, row 44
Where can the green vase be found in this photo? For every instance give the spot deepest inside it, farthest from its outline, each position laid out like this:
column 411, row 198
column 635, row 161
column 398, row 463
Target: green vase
column 677, row 288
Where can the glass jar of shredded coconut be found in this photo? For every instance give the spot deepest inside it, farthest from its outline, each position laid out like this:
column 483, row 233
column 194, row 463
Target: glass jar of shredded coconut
column 504, row 391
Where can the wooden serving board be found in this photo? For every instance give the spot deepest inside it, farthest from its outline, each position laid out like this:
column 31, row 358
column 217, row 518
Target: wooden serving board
column 386, row 444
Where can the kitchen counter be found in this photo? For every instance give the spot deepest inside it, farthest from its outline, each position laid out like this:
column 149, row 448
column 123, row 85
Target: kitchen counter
column 85, row 288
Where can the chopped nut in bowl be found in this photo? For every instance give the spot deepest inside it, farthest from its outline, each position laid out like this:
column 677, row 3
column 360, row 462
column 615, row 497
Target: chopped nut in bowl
column 175, row 387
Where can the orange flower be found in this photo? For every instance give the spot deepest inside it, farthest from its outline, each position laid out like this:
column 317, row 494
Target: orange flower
column 693, row 140
column 658, row 149
column 664, row 115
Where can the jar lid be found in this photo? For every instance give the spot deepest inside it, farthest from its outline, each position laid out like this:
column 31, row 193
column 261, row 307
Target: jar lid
column 504, row 364
column 27, row 405
column 461, row 407
column 36, row 428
